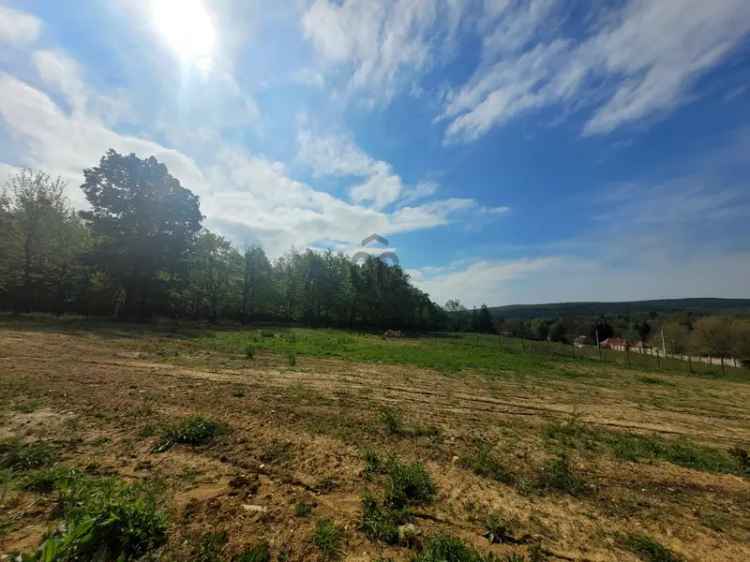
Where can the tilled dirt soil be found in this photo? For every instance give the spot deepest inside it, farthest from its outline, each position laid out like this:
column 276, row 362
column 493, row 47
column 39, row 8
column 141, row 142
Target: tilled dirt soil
column 296, row 434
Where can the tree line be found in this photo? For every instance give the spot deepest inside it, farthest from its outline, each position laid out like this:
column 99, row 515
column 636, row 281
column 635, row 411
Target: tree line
column 141, row 250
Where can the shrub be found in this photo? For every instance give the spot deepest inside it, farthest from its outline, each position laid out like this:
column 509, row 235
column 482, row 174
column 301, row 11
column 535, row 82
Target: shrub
column 104, row 520
column 648, row 549
column 498, row 529
column 328, row 538
column 46, row 480
column 194, row 430
column 373, row 463
column 260, row 552
column 19, row 456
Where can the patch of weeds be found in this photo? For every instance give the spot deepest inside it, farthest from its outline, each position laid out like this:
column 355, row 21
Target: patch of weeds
column 648, row 549
column 634, row 447
column 260, row 552
column 303, row 509
column 482, row 461
column 391, row 419
column 742, row 457
column 194, row 430
column 558, row 475
column 407, row 484
column 655, row 381
column 148, row 430
column 380, row 523
column 278, row 452
column 498, row 529
column 716, row 520
column 249, row 352
column 328, row 538
column 46, row 480
column 28, row 407
column 19, row 456
column 210, row 547
column 373, row 463
column 444, row 548
column 291, row 357
column 105, row 519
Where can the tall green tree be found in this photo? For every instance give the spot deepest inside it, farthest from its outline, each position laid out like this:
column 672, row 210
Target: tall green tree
column 144, row 223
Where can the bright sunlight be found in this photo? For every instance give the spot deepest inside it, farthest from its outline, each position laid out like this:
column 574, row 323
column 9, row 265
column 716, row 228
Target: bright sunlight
column 187, row 28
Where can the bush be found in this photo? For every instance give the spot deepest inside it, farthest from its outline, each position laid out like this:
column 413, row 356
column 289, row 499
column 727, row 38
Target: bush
column 210, row 547
column 392, row 421
column 302, row 509
column 104, row 520
column 46, row 480
column 444, row 548
column 498, row 529
column 328, row 538
column 194, row 430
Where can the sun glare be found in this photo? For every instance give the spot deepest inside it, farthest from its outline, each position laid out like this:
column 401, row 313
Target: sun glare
column 187, row 28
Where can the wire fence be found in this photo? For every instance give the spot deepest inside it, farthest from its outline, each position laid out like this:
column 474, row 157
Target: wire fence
column 653, row 360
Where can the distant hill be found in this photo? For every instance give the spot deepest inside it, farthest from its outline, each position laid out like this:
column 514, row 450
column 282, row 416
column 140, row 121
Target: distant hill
column 664, row 306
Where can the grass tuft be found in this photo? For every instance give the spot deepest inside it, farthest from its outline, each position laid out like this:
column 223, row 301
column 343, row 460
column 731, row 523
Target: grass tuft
column 260, row 552
column 381, row 523
column 407, row 484
column 391, row 419
column 21, row 457
column 648, row 549
column 483, row 462
column 329, row 539
column 194, row 430
column 558, row 475
column 444, row 548
column 302, row 509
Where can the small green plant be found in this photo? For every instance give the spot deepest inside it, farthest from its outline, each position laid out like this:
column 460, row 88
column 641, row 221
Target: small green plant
column 104, row 520
column 392, row 421
column 302, row 509
column 260, row 552
column 249, row 352
column 328, row 538
column 483, row 462
column 19, row 456
column 28, row 407
column 210, row 547
column 742, row 457
column 194, row 430
column 498, row 529
column 407, row 484
column 558, row 475
column 381, row 523
column 648, row 549
column 444, row 548
column 292, row 357
column 46, row 480
column 373, row 463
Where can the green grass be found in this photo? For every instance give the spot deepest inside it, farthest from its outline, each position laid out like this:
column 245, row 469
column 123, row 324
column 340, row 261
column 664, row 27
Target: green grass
column 447, row 354
column 302, row 509
column 260, row 552
column 329, row 539
column 635, row 447
column 210, row 547
column 444, row 548
column 407, row 484
column 648, row 549
column 558, row 475
column 380, row 523
column 195, row 430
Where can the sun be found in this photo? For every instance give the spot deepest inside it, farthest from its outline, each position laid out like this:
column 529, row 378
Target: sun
column 187, row 28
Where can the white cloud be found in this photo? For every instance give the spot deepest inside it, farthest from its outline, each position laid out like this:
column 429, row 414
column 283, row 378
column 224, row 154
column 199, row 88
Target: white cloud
column 18, row 28
column 338, row 155
column 640, row 70
column 381, row 44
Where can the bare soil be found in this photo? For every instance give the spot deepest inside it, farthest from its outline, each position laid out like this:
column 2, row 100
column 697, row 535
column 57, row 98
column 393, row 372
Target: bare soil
column 297, row 435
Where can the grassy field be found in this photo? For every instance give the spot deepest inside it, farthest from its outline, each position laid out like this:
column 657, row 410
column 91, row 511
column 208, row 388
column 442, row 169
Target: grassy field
column 270, row 443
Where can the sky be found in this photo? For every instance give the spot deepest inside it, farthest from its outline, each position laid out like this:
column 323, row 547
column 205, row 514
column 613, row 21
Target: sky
column 510, row 151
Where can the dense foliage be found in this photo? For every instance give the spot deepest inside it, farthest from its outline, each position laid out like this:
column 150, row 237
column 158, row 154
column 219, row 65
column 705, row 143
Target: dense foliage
column 140, row 251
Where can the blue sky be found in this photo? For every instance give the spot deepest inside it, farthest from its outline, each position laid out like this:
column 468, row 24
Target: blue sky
column 511, row 151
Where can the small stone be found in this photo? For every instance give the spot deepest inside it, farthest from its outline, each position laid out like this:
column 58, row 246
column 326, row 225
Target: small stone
column 455, row 459
column 254, row 508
